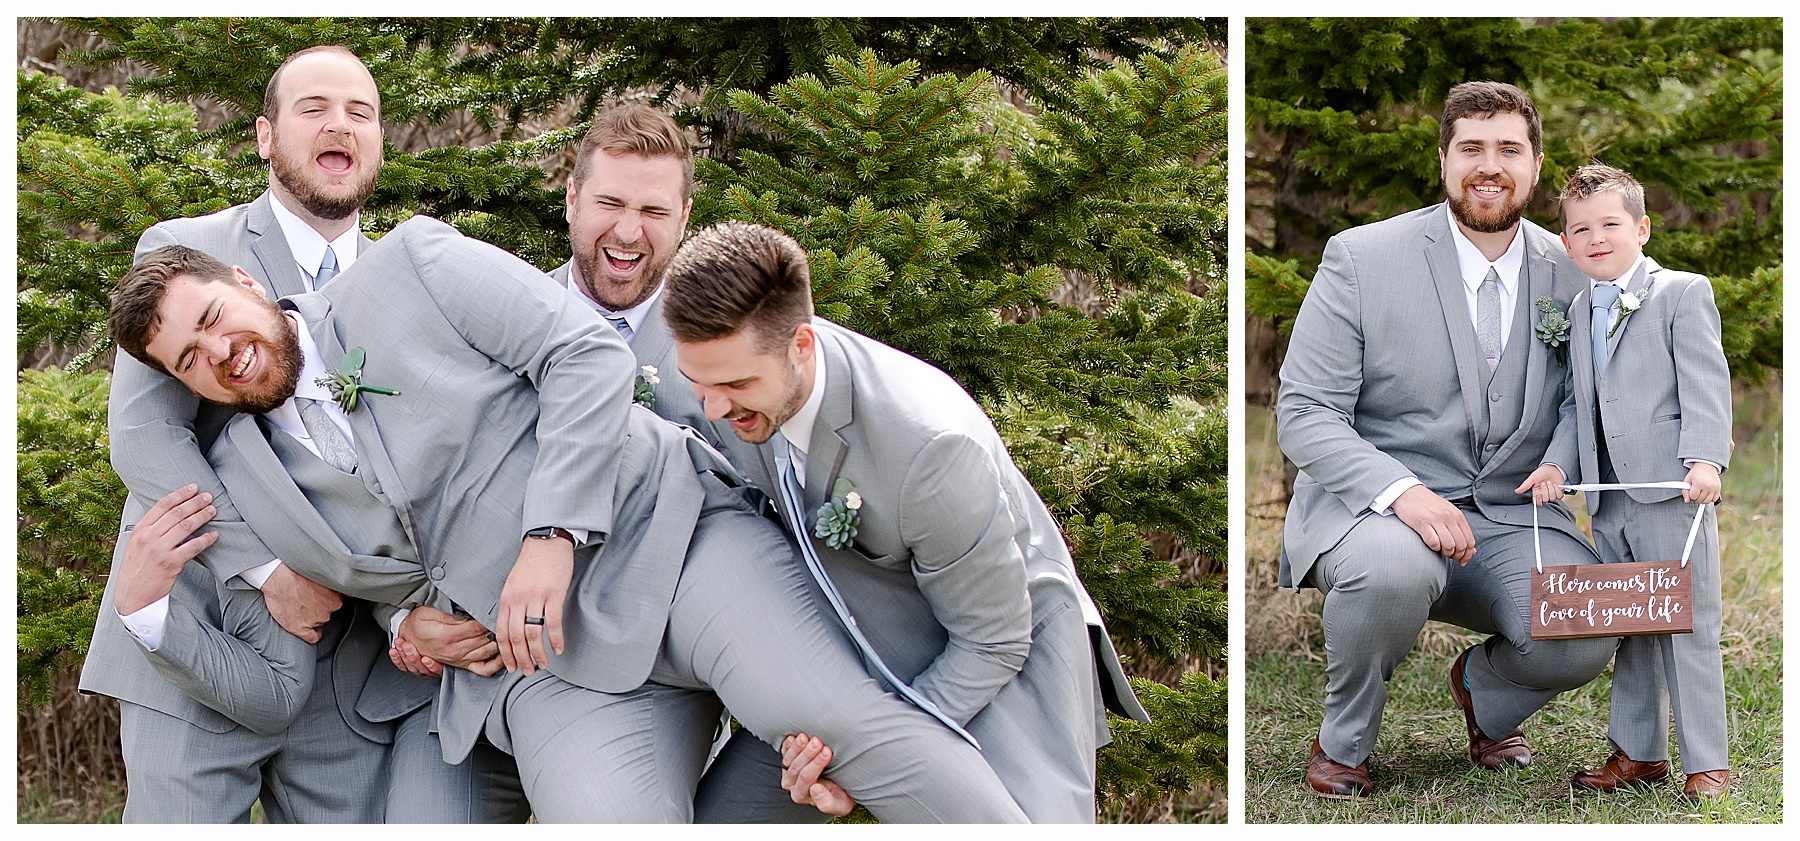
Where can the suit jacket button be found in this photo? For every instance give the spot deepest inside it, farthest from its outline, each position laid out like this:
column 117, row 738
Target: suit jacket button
column 437, row 572
column 1494, row 396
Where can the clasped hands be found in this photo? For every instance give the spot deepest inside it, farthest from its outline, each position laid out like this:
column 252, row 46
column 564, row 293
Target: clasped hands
column 529, row 622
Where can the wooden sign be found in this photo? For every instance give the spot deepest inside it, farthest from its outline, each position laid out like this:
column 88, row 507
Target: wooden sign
column 1611, row 600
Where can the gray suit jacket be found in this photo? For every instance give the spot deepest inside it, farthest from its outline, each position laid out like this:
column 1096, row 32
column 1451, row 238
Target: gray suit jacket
column 514, row 413
column 1384, row 379
column 956, row 557
column 1667, row 393
column 654, row 344
column 159, row 431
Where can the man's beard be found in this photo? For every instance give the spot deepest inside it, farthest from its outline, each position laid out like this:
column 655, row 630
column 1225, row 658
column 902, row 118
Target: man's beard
column 312, row 195
column 281, row 370
column 1495, row 219
column 588, row 266
column 796, row 397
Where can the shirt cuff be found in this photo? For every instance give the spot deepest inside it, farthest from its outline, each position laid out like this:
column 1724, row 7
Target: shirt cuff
column 146, row 624
column 394, row 621
column 257, row 576
column 1383, row 503
column 1693, row 461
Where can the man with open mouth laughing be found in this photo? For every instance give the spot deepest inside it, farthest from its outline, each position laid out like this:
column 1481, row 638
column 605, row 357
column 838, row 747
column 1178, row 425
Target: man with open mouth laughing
column 1419, row 390
column 204, row 751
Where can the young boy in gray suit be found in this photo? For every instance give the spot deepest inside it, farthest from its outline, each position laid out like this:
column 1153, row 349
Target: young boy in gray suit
column 1650, row 401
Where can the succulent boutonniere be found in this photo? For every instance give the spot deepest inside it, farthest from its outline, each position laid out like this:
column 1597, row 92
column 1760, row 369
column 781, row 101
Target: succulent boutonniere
column 345, row 384
column 838, row 518
column 1628, row 302
column 1553, row 328
column 643, row 391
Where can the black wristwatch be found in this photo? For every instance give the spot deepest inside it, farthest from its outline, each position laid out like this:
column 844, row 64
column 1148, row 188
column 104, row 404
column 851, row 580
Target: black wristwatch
column 548, row 532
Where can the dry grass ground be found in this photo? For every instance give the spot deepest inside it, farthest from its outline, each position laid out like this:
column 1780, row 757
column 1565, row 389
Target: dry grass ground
column 1420, row 771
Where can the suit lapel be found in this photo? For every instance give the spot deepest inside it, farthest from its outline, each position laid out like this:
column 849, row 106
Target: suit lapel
column 270, row 246
column 371, row 453
column 828, row 444
column 1440, row 258
column 653, row 340
column 1581, row 354
column 248, row 439
column 1638, row 285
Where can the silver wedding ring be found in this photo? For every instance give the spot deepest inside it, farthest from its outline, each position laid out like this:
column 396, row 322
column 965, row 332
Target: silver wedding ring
column 534, row 620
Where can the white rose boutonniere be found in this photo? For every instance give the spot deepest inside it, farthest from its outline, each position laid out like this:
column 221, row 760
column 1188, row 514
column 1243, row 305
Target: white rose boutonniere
column 643, row 390
column 1628, row 302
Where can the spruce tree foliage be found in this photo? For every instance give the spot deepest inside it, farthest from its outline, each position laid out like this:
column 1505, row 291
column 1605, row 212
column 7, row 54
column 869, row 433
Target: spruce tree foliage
column 1344, row 129
column 951, row 180
column 69, row 501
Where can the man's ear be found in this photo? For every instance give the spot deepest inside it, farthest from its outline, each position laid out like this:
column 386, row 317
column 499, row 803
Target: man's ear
column 265, row 137
column 243, row 278
column 804, row 344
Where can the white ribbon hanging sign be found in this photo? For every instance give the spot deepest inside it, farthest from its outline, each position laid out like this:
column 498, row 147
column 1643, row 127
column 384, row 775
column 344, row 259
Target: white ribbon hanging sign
column 1617, row 599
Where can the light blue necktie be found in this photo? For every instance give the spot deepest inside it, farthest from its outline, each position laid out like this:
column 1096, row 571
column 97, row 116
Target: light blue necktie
column 1605, row 295
column 619, row 323
column 790, row 499
column 328, row 269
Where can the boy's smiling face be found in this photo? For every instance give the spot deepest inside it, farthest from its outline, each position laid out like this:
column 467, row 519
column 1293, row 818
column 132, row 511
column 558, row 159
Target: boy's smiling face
column 1601, row 236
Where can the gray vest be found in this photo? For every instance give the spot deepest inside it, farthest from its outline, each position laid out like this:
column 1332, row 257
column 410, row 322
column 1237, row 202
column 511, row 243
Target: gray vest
column 1505, row 393
column 362, row 519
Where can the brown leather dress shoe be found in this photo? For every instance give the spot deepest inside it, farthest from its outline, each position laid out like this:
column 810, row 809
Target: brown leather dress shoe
column 1621, row 771
column 1707, row 785
column 1492, row 754
column 1329, row 779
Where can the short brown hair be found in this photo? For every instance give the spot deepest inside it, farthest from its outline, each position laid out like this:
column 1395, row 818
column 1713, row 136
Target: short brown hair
column 1482, row 100
column 271, row 94
column 735, row 275
column 1595, row 178
column 634, row 128
column 136, row 304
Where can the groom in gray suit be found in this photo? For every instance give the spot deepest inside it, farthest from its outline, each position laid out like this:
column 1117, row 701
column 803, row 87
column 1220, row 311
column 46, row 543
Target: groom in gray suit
column 202, row 747
column 484, row 456
column 933, row 549
column 1417, row 394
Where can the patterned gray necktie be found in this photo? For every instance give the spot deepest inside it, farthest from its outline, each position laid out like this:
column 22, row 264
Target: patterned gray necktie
column 333, row 447
column 1487, row 318
column 328, row 269
column 1605, row 295
column 619, row 323
column 790, row 500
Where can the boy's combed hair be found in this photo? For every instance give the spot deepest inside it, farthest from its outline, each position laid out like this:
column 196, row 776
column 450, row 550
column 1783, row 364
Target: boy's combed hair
column 737, row 275
column 1595, row 178
column 136, row 304
column 1482, row 100
column 636, row 129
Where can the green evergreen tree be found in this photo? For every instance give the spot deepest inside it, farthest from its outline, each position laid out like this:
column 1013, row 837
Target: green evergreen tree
column 1344, row 128
column 1037, row 206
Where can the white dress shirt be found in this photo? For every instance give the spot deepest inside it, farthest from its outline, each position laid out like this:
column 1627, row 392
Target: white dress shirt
column 798, row 429
column 308, row 246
